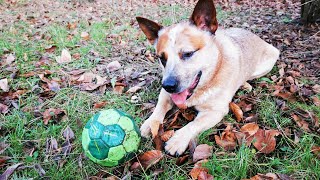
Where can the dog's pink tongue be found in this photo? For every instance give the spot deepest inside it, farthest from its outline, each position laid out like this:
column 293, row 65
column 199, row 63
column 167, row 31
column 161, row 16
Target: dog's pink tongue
column 180, row 99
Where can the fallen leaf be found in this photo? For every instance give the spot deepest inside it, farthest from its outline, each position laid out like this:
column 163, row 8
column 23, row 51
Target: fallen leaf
column 167, row 135
column 316, row 88
column 3, row 108
column 68, row 134
column 265, row 141
column 6, row 174
column 76, row 56
column 316, row 100
column 203, row 175
column 192, row 146
column 202, row 151
column 181, row 160
column 99, row 105
column 281, row 72
column 54, row 86
column 52, row 113
column 51, row 145
column 85, row 36
column 197, row 169
column 150, row 158
column 113, row 66
column 246, row 86
column 250, row 128
column 9, row 60
column 40, row 170
column 66, row 148
column 300, row 122
column 50, row 49
column 286, row 95
column 227, row 145
column 188, row 115
column 118, row 89
column 158, row 143
column 64, row 58
column 134, row 89
column 135, row 166
column 236, row 111
column 4, row 85
column 316, row 150
column 3, row 147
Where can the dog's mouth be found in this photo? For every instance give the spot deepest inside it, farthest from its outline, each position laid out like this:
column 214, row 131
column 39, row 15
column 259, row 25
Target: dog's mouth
column 180, row 98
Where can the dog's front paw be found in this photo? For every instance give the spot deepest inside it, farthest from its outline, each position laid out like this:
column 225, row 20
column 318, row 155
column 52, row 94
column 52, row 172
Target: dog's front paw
column 178, row 143
column 150, row 125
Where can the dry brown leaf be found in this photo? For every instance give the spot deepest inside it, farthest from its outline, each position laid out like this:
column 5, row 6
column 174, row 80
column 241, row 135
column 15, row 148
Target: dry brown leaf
column 316, row 101
column 316, row 150
column 316, row 88
column 72, row 25
column 68, row 134
column 281, row 72
column 181, row 160
column 197, row 169
column 50, row 49
column 3, row 108
column 150, row 158
column 158, row 143
column 113, row 66
column 286, row 95
column 87, row 77
column 52, row 113
column 250, row 128
column 118, row 89
column 99, row 105
column 227, row 145
column 205, row 176
column 134, row 89
column 188, row 115
column 300, row 122
column 4, row 85
column 236, row 111
column 9, row 171
column 167, row 135
column 9, row 60
column 202, row 151
column 85, row 36
column 246, row 86
column 65, row 57
column 265, row 141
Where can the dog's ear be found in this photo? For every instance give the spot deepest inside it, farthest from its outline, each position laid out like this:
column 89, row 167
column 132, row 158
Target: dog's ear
column 204, row 16
column 149, row 28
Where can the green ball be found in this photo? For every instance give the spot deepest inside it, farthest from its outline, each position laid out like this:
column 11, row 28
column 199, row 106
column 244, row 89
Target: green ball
column 110, row 137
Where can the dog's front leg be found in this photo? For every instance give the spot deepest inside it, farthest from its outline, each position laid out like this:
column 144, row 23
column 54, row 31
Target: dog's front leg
column 153, row 122
column 205, row 120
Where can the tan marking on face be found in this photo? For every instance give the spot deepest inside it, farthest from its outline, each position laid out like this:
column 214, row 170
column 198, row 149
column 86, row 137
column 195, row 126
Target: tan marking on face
column 162, row 44
column 194, row 38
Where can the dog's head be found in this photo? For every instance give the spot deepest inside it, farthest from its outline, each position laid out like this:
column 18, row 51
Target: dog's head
column 186, row 50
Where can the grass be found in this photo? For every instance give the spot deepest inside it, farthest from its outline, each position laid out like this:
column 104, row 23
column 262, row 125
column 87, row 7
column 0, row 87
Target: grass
column 21, row 126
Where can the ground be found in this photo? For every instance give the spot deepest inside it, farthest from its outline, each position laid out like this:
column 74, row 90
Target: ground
column 46, row 94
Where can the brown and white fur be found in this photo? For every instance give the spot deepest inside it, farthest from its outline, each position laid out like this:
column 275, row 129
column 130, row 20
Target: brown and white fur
column 203, row 67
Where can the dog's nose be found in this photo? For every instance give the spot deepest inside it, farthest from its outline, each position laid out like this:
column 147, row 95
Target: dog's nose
column 171, row 84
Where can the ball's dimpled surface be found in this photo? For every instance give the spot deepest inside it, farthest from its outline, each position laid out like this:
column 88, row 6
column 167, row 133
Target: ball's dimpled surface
column 110, row 137
column 113, row 135
column 117, row 153
column 108, row 117
column 98, row 149
column 131, row 141
column 96, row 130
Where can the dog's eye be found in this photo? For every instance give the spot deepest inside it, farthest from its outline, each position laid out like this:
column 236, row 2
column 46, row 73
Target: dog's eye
column 162, row 59
column 186, row 55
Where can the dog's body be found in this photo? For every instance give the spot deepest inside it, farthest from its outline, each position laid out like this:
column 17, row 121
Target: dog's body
column 203, row 68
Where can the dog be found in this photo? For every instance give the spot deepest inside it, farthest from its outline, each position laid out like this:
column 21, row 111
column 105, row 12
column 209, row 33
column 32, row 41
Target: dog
column 203, row 67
